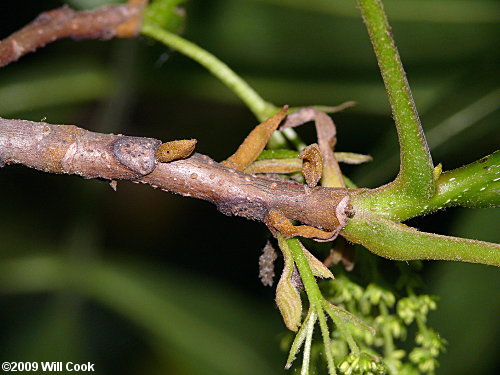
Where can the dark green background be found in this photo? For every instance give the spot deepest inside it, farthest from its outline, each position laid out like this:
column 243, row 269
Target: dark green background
column 141, row 281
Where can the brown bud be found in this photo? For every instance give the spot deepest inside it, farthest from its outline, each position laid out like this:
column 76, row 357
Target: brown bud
column 175, row 150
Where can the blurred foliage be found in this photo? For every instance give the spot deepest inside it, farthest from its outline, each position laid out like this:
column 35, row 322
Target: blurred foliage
column 133, row 280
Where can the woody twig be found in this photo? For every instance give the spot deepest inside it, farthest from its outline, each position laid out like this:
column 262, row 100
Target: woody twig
column 122, row 21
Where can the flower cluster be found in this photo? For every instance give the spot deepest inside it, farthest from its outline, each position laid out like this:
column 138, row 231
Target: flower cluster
column 362, row 364
column 390, row 311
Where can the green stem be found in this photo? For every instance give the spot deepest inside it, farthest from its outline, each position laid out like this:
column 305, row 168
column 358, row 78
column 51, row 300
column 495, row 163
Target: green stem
column 313, row 294
column 388, row 341
column 475, row 185
column 327, row 343
column 415, row 180
column 260, row 108
column 307, row 345
column 400, row 242
column 345, row 332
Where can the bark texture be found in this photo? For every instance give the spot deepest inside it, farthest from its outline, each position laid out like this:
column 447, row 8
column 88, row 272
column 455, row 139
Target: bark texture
column 72, row 150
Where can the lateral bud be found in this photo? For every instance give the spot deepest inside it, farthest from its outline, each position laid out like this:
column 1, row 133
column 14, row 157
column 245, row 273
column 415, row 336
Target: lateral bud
column 175, row 150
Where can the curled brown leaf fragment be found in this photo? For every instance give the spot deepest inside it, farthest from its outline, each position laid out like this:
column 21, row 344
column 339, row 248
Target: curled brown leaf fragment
column 175, row 150
column 306, row 114
column 332, row 176
column 326, row 132
column 312, row 164
column 255, row 142
column 299, row 117
column 277, row 222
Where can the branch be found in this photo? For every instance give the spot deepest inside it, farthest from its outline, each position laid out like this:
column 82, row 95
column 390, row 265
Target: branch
column 72, row 150
column 121, row 21
column 475, row 185
column 415, row 180
column 399, row 242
